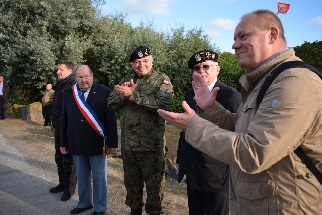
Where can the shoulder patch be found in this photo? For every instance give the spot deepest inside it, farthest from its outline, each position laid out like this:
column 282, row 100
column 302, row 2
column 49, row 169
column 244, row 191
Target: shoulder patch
column 275, row 103
column 166, row 82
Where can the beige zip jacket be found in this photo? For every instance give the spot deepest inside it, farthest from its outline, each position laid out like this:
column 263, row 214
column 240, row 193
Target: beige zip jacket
column 266, row 175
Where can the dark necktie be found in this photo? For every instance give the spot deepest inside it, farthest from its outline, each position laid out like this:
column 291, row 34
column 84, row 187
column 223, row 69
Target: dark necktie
column 83, row 94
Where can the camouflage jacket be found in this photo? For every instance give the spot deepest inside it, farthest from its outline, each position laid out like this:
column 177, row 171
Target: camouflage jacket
column 142, row 129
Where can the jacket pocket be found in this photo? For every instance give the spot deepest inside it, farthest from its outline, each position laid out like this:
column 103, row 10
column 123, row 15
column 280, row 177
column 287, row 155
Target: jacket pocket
column 256, row 197
column 250, row 104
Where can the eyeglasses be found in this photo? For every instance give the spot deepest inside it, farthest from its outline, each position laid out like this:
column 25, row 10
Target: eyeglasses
column 205, row 67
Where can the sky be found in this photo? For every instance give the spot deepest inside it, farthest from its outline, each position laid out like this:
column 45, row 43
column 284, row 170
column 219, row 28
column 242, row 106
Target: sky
column 218, row 18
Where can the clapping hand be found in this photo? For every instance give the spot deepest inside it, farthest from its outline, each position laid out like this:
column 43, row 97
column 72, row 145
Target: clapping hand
column 126, row 89
column 179, row 120
column 203, row 96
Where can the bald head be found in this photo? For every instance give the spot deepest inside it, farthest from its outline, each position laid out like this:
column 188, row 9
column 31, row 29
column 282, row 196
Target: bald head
column 266, row 19
column 258, row 36
column 84, row 77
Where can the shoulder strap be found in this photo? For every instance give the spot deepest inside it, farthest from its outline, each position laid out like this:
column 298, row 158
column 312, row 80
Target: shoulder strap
column 308, row 163
column 278, row 70
column 267, row 83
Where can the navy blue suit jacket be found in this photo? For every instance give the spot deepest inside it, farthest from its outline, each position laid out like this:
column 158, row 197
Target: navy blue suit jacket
column 77, row 135
column 202, row 171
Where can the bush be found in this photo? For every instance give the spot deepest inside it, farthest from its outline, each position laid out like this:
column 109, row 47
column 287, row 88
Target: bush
column 179, row 96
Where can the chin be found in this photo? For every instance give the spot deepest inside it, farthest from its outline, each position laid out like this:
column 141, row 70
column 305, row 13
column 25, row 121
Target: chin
column 241, row 63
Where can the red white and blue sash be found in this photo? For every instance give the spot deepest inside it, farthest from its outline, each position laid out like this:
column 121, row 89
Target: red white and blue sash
column 87, row 111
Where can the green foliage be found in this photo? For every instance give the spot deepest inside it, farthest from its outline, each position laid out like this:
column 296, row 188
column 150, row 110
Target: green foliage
column 108, row 57
column 179, row 96
column 34, row 34
column 180, row 45
column 230, row 71
column 310, row 53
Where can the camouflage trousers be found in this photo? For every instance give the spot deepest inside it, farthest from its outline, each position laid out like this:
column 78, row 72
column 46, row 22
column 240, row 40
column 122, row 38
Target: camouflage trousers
column 144, row 167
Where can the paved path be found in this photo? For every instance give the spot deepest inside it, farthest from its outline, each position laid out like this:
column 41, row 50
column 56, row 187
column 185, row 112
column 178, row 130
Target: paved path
column 28, row 170
column 25, row 178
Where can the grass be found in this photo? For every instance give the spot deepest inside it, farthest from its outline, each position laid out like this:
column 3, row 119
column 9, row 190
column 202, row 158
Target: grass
column 172, row 137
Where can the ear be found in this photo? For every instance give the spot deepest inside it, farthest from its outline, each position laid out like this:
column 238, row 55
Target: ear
column 274, row 32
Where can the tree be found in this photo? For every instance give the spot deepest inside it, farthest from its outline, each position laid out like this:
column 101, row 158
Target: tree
column 230, row 71
column 108, row 57
column 310, row 53
column 171, row 50
column 35, row 34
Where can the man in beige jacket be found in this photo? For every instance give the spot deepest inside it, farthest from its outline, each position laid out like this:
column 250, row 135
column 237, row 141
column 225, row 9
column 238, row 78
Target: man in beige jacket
column 47, row 102
column 267, row 177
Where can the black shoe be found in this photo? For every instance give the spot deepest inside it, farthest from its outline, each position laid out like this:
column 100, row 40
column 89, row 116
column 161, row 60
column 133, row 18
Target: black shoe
column 136, row 211
column 80, row 210
column 98, row 213
column 66, row 196
column 57, row 189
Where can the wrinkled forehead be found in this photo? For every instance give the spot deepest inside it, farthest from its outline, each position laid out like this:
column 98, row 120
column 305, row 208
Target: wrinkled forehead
column 245, row 25
column 83, row 72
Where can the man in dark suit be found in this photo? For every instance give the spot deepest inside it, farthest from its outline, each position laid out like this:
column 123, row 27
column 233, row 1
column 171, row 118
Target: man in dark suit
column 207, row 178
column 4, row 94
column 65, row 163
column 88, row 132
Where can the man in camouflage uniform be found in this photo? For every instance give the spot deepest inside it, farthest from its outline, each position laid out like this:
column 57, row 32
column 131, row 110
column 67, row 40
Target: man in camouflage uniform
column 138, row 96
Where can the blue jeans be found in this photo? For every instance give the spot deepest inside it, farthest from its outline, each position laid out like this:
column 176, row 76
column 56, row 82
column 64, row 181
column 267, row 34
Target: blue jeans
column 95, row 166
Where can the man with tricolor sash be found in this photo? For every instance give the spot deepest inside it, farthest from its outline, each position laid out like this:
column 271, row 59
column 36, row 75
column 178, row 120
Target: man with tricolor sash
column 88, row 132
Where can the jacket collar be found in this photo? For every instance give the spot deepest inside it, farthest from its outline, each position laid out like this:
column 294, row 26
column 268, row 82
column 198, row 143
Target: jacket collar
column 143, row 77
column 61, row 83
column 91, row 93
column 249, row 80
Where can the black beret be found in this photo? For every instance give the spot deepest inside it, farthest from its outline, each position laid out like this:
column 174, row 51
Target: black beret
column 140, row 52
column 202, row 56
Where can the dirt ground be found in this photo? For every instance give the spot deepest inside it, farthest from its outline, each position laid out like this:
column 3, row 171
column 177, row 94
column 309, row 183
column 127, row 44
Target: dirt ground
column 36, row 141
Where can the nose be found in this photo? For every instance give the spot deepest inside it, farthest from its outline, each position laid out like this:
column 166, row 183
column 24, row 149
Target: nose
column 236, row 45
column 140, row 64
column 200, row 70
